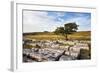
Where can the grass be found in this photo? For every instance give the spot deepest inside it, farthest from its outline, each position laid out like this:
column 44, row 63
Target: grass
column 45, row 37
column 28, row 46
column 82, row 35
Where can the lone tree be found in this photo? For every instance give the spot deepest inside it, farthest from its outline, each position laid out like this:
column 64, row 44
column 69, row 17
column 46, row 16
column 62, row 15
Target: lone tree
column 59, row 30
column 67, row 29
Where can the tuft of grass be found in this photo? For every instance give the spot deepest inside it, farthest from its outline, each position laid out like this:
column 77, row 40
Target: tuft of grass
column 27, row 46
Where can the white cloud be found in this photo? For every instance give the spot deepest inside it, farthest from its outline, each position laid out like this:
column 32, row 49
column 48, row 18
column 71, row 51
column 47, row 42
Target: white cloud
column 36, row 21
column 83, row 22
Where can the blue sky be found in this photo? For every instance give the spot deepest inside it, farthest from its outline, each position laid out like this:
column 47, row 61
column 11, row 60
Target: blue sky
column 38, row 21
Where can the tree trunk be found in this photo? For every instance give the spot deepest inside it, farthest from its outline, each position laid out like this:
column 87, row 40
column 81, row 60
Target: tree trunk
column 66, row 37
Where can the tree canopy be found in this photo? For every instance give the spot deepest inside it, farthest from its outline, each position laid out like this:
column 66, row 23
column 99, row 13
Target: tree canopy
column 70, row 27
column 59, row 30
column 67, row 29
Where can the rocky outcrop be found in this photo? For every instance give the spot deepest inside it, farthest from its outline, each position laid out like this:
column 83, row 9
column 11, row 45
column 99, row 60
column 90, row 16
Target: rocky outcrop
column 55, row 51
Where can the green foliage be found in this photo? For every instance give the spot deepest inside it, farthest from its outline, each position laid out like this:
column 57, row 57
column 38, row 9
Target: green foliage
column 70, row 27
column 59, row 30
column 67, row 29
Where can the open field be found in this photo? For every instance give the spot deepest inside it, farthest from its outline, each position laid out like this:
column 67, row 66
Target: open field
column 47, row 46
column 82, row 35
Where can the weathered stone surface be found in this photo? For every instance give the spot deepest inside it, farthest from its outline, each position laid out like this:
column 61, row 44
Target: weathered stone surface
column 64, row 58
column 53, row 50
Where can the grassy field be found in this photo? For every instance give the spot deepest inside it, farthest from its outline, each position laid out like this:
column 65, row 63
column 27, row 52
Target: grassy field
column 82, row 35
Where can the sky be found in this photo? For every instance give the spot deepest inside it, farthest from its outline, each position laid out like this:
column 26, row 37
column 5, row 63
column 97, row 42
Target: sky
column 39, row 21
